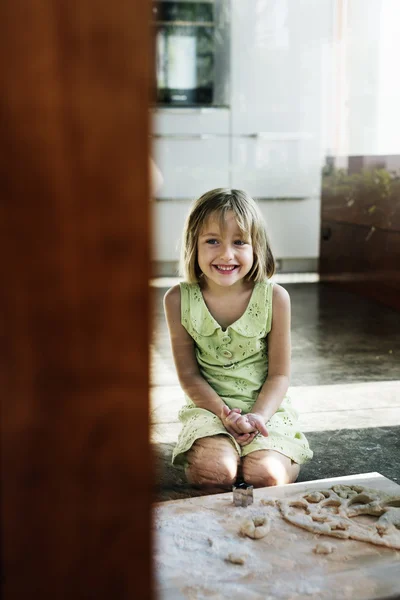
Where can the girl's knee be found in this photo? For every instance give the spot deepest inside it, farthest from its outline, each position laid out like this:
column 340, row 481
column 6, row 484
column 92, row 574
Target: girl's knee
column 294, row 471
column 268, row 468
column 210, row 476
column 260, row 476
column 212, row 462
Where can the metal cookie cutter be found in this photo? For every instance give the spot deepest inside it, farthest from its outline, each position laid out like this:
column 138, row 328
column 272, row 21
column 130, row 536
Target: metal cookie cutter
column 242, row 494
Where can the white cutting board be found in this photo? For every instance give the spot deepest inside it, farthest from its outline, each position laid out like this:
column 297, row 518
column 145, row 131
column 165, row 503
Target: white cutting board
column 193, row 537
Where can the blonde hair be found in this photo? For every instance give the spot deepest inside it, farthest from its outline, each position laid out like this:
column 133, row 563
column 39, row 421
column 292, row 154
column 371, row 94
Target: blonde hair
column 250, row 222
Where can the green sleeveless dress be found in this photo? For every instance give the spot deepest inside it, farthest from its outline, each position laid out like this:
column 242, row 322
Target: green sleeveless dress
column 235, row 363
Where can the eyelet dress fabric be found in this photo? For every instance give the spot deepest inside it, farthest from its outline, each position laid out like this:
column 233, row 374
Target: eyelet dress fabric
column 235, row 364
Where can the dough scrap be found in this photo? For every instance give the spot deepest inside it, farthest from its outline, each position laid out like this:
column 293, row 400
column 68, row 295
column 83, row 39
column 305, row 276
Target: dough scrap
column 331, row 511
column 323, row 548
column 255, row 527
column 315, row 497
column 268, row 501
column 236, row 559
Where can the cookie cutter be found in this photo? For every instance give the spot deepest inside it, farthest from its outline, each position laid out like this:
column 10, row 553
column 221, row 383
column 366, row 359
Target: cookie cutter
column 242, row 494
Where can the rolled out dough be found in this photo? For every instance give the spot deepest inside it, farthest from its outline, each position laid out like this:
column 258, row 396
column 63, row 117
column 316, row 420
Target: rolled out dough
column 332, row 512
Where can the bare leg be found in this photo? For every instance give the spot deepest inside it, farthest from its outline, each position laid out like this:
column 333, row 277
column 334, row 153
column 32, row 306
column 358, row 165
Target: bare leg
column 264, row 468
column 212, row 462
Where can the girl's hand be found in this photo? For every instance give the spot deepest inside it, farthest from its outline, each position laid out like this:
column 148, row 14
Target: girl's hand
column 257, row 422
column 238, row 426
column 229, row 417
column 245, row 438
column 248, row 423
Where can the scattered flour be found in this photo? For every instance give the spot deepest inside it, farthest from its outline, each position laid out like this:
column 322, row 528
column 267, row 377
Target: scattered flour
column 198, row 553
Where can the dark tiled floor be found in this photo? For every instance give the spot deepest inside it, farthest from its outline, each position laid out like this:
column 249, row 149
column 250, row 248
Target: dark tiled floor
column 337, row 338
column 350, row 451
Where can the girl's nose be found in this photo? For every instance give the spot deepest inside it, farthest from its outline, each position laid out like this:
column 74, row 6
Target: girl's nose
column 227, row 252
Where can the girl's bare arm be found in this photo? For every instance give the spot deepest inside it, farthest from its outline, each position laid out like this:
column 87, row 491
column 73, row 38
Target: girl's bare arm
column 279, row 349
column 190, row 378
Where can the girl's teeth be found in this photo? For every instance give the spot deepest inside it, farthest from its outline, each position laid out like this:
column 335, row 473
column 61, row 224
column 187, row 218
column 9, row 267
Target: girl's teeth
column 225, row 268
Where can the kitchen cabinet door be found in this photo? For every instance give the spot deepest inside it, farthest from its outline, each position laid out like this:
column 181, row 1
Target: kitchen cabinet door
column 191, row 165
column 278, row 66
column 168, row 222
column 276, row 168
column 190, row 121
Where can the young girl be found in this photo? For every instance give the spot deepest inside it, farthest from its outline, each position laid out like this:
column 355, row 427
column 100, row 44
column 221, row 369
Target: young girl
column 230, row 334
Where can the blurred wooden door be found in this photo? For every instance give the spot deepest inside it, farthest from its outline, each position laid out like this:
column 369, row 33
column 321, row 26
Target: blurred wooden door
column 74, row 255
column 360, row 226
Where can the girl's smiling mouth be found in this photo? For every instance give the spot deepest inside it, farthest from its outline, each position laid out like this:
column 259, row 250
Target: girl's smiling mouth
column 225, row 268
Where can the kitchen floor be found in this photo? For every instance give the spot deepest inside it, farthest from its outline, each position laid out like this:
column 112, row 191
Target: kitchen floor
column 345, row 383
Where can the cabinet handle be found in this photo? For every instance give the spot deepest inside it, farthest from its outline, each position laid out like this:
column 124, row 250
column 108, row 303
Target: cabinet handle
column 190, row 136
column 277, row 136
column 185, row 23
column 202, row 110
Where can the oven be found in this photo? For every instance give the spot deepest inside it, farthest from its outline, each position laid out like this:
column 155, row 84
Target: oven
column 186, row 43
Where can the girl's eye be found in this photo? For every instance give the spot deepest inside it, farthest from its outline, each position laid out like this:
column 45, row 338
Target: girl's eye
column 212, row 242
column 240, row 242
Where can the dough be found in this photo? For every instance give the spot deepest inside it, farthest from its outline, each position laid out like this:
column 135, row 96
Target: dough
column 268, row 501
column 332, row 511
column 323, row 548
column 236, row 559
column 315, row 497
column 255, row 527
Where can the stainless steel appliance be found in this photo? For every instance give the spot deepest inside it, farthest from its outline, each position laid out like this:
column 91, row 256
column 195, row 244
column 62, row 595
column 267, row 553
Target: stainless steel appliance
column 185, row 52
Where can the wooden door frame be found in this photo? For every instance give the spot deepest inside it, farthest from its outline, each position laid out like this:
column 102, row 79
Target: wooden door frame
column 76, row 472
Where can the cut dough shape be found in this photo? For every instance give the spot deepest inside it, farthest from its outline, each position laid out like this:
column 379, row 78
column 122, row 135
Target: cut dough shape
column 236, row 559
column 315, row 497
column 255, row 527
column 323, row 548
column 268, row 501
column 313, row 511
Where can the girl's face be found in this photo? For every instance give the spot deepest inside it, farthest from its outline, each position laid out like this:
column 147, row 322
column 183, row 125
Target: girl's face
column 225, row 256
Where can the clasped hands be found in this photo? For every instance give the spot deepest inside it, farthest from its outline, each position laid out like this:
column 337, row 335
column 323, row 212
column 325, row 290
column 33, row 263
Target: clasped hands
column 244, row 428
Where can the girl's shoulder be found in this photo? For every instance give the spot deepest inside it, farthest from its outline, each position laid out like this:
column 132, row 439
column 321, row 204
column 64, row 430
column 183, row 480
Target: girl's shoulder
column 180, row 293
column 279, row 291
column 172, row 298
column 280, row 296
column 275, row 289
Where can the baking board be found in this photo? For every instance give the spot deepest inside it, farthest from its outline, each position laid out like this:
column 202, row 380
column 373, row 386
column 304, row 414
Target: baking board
column 192, row 538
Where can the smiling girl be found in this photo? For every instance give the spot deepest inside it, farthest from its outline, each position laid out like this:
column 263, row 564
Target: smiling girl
column 230, row 334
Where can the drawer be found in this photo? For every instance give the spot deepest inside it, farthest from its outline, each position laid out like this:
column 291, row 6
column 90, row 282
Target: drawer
column 283, row 168
column 177, row 121
column 191, row 165
column 168, row 222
